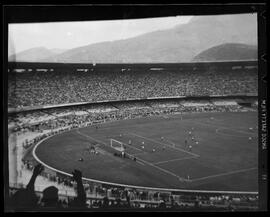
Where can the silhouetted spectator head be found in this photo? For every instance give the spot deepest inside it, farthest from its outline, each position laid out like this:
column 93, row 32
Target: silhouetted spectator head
column 50, row 196
column 105, row 202
column 24, row 199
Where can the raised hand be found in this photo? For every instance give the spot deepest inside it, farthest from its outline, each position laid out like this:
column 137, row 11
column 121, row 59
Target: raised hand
column 38, row 169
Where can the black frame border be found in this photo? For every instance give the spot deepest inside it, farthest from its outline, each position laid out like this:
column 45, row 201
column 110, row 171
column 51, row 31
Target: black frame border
column 82, row 12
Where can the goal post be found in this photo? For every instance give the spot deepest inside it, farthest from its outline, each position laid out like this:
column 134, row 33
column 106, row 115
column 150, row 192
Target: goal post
column 117, row 145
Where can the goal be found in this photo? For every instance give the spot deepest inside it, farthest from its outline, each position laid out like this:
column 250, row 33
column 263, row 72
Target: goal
column 117, row 145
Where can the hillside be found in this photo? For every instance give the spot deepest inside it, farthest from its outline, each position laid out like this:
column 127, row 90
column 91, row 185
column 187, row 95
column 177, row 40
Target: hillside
column 35, row 54
column 179, row 44
column 233, row 51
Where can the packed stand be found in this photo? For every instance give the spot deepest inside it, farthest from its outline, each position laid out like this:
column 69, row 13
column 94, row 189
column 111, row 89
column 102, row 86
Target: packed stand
column 78, row 116
column 53, row 88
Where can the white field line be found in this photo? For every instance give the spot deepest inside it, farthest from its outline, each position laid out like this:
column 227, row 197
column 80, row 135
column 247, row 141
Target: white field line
column 140, row 163
column 224, row 174
column 224, row 127
column 166, row 171
column 143, row 161
column 179, row 149
column 172, row 143
column 177, row 159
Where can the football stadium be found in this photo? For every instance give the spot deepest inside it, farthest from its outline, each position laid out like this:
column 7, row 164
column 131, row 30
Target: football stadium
column 174, row 135
column 139, row 139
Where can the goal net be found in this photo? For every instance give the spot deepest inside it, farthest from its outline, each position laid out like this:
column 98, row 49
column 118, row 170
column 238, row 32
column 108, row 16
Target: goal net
column 117, row 145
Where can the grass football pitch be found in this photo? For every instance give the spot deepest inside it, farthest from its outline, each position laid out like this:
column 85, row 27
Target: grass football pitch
column 203, row 151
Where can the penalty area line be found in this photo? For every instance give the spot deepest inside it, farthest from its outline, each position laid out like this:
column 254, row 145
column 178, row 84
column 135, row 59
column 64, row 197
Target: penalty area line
column 140, row 163
column 176, row 148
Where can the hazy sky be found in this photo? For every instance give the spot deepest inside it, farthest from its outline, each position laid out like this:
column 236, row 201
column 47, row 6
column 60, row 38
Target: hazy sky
column 67, row 35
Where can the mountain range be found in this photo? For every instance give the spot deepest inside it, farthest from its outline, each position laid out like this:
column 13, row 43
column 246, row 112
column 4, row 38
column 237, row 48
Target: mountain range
column 228, row 51
column 183, row 43
column 36, row 54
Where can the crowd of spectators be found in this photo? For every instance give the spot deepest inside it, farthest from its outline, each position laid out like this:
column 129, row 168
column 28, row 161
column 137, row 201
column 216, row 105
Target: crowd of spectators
column 53, row 88
column 50, row 199
column 74, row 116
column 26, row 198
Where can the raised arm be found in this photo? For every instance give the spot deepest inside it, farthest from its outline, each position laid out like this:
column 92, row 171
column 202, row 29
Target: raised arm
column 81, row 197
column 37, row 170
